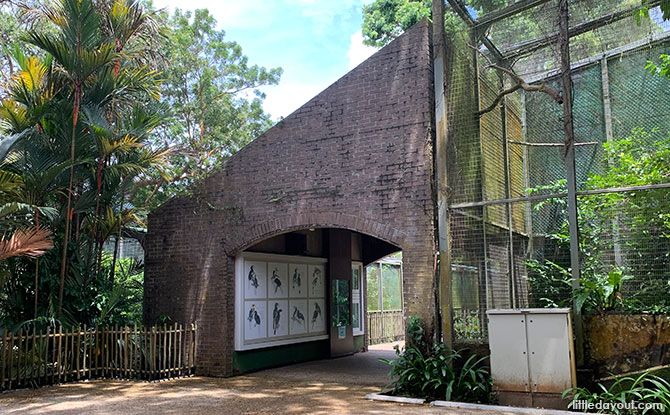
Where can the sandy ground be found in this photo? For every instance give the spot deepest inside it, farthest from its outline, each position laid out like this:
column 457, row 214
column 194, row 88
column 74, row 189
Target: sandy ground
column 334, row 386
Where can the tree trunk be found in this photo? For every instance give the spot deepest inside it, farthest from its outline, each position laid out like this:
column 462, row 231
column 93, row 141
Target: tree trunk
column 37, row 281
column 116, row 252
column 68, row 209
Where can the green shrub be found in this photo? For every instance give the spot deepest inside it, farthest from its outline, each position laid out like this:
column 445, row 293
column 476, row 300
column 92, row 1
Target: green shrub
column 644, row 389
column 424, row 371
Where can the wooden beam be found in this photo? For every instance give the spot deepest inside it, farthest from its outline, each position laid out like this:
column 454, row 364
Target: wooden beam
column 444, row 277
column 570, row 174
column 489, row 18
column 532, row 45
column 462, row 11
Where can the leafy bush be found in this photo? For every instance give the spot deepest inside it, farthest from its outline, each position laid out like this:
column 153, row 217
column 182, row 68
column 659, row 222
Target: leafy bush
column 638, row 220
column 467, row 325
column 645, row 389
column 602, row 292
column 429, row 372
column 597, row 292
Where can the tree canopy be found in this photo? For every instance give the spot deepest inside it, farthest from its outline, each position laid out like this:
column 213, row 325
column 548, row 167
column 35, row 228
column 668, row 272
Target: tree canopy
column 107, row 108
column 212, row 90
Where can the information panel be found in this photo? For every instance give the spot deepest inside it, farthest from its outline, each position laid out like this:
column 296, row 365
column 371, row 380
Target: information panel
column 280, row 299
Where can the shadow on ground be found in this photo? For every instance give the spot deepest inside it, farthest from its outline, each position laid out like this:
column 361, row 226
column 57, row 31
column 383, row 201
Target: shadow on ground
column 334, row 386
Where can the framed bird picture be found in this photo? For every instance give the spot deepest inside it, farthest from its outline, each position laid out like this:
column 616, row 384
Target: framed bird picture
column 278, row 315
column 278, row 284
column 297, row 280
column 317, row 281
column 255, row 321
column 317, row 315
column 255, row 279
column 298, row 316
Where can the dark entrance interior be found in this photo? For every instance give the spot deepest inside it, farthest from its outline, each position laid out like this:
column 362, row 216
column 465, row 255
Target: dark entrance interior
column 342, row 254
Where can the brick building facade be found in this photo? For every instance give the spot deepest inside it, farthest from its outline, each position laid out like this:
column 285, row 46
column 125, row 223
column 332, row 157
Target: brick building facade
column 354, row 163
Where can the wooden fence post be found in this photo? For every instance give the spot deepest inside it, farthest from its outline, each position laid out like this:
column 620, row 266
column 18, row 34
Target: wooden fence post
column 3, row 360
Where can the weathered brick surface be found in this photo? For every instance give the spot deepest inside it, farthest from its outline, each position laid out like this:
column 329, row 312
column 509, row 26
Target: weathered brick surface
column 358, row 156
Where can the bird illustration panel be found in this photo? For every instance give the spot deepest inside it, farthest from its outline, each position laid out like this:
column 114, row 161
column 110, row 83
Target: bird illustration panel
column 297, row 276
column 317, row 316
column 299, row 319
column 277, row 280
column 255, row 323
column 255, row 279
column 279, row 316
column 317, row 283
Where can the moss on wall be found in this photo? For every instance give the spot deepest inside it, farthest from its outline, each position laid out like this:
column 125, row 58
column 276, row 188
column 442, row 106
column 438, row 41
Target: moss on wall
column 619, row 343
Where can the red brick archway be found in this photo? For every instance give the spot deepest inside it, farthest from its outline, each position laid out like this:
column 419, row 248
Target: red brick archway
column 291, row 223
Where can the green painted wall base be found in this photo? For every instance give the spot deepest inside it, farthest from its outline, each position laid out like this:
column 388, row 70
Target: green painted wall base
column 252, row 360
column 359, row 343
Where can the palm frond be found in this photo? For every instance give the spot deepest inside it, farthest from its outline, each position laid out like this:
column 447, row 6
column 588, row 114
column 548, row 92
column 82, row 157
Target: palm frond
column 26, row 242
column 10, row 184
column 15, row 114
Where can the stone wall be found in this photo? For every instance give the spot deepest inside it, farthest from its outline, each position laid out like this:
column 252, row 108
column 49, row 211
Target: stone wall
column 621, row 343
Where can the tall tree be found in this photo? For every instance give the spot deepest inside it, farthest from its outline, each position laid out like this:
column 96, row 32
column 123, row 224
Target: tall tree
column 213, row 92
column 86, row 109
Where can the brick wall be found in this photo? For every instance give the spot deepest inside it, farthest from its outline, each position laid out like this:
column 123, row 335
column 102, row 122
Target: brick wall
column 358, row 156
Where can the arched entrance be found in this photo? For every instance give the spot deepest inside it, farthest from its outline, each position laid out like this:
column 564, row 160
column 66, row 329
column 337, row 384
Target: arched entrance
column 300, row 296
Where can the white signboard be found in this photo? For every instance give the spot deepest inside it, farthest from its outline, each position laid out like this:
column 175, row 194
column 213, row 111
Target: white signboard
column 279, row 299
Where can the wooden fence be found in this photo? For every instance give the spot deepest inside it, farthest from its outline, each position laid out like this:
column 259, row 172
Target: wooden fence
column 385, row 326
column 36, row 358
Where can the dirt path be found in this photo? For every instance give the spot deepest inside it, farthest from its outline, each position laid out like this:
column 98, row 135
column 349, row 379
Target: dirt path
column 325, row 387
column 253, row 394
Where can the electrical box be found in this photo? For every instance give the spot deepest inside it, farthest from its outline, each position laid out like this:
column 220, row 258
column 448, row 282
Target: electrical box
column 532, row 354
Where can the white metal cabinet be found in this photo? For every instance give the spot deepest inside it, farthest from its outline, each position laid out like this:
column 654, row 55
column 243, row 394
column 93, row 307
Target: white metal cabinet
column 531, row 350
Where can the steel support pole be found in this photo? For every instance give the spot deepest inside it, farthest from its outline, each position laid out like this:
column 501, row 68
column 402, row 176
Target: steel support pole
column 569, row 158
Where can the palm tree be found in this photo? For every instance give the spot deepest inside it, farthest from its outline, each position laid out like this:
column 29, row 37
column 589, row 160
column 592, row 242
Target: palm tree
column 80, row 52
column 76, row 127
column 100, row 76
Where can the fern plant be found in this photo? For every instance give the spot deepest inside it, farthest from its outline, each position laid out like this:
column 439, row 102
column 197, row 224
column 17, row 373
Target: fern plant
column 645, row 394
column 432, row 372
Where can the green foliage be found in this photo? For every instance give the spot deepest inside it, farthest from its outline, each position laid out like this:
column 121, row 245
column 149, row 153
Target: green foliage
column 87, row 88
column 384, row 20
column 658, row 289
column 549, row 284
column 391, row 287
column 122, row 304
column 552, row 286
column 75, row 127
column 341, row 303
column 643, row 389
column 213, row 92
column 601, row 292
column 467, row 325
column 430, row 374
column 662, row 68
column 640, row 218
column 372, row 287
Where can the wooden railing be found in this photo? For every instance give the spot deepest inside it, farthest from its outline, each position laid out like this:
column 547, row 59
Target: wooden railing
column 46, row 357
column 385, row 326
